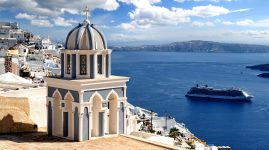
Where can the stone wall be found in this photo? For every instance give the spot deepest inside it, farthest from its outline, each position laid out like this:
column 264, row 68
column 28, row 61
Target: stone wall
column 14, row 115
column 36, row 98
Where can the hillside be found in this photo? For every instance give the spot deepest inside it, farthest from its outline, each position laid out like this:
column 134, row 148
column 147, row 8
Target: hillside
column 198, row 46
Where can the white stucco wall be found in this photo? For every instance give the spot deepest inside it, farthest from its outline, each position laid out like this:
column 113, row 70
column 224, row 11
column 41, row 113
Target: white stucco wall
column 162, row 139
column 132, row 124
column 160, row 122
column 37, row 103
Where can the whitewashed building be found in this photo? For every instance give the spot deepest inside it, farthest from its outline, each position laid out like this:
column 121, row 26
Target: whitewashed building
column 10, row 34
column 46, row 44
column 86, row 100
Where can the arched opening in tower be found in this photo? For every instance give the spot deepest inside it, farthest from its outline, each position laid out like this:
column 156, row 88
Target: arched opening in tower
column 58, row 119
column 68, row 109
column 96, row 108
column 112, row 114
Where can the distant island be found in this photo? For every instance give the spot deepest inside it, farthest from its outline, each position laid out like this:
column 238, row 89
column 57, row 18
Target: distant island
column 264, row 75
column 198, row 46
column 262, row 67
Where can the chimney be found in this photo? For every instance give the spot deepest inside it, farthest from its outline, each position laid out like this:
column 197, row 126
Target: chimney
column 8, row 64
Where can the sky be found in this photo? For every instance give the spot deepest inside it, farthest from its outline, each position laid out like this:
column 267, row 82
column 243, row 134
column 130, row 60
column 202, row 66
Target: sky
column 140, row 22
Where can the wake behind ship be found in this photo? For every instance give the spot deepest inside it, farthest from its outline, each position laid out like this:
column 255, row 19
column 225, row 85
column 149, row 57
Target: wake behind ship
column 210, row 93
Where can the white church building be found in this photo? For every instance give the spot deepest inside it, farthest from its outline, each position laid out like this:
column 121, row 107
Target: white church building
column 86, row 100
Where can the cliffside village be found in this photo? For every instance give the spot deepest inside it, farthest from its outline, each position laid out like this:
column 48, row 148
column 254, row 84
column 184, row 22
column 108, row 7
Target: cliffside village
column 26, row 60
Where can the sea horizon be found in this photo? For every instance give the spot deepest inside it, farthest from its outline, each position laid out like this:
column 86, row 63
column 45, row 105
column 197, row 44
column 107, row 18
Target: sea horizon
column 167, row 76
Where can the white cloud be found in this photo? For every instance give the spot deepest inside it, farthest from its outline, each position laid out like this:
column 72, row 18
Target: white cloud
column 146, row 14
column 59, row 21
column 208, row 11
column 42, row 17
column 203, row 24
column 255, row 33
column 140, row 3
column 228, row 23
column 123, row 37
column 53, row 10
column 25, row 16
column 242, row 10
column 70, row 10
column 181, row 1
column 47, row 11
column 220, row 0
column 245, row 22
column 248, row 22
column 41, row 23
column 217, row 21
column 57, row 7
column 127, row 26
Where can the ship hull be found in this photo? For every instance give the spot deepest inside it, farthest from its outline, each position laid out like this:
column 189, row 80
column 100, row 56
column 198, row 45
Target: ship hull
column 217, row 98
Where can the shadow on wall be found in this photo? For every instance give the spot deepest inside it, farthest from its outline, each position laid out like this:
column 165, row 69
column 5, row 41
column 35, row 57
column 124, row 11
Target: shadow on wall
column 32, row 137
column 14, row 115
column 8, row 125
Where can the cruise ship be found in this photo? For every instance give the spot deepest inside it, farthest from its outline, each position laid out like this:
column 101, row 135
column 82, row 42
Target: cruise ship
column 209, row 93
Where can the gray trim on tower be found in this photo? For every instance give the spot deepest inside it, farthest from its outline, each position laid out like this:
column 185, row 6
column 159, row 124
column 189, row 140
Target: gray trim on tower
column 121, row 118
column 119, row 91
column 68, row 35
column 101, row 123
column 90, row 35
column 108, row 65
column 62, row 65
column 77, row 39
column 91, row 66
column 63, row 92
column 76, row 125
column 94, row 66
column 65, row 124
column 75, row 95
column 104, row 93
column 51, row 90
column 74, row 66
column 102, row 36
column 49, row 122
column 79, row 36
column 86, row 126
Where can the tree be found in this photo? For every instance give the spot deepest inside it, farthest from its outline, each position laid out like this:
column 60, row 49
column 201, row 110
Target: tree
column 159, row 133
column 175, row 134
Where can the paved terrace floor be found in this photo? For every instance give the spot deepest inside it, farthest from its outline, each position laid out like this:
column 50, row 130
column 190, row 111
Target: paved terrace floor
column 40, row 141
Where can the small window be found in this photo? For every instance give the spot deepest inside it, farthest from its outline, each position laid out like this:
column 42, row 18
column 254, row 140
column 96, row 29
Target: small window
column 83, row 64
column 68, row 65
column 99, row 64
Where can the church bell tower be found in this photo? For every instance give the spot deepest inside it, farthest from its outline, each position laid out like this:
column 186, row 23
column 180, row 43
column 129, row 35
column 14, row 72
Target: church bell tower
column 86, row 100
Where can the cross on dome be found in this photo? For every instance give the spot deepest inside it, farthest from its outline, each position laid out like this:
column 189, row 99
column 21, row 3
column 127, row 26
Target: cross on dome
column 87, row 12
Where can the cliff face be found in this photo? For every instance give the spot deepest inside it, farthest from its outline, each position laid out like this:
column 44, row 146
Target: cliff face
column 198, row 46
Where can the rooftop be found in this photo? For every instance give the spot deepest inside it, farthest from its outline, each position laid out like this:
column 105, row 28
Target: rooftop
column 42, row 142
column 87, row 81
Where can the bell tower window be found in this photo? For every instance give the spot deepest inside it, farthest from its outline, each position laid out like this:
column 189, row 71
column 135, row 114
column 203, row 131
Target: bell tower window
column 99, row 64
column 68, row 65
column 83, row 65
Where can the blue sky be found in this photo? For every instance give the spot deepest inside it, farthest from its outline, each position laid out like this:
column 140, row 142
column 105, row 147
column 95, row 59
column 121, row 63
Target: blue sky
column 137, row 22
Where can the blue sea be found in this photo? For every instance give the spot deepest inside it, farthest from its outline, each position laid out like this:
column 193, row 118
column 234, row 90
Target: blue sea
column 159, row 81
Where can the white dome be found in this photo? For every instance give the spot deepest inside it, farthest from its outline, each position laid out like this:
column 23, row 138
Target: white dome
column 85, row 37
